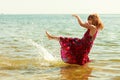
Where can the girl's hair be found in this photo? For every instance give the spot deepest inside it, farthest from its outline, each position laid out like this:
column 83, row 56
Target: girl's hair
column 96, row 21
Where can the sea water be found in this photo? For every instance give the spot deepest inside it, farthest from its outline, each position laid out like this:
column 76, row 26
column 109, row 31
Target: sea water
column 27, row 54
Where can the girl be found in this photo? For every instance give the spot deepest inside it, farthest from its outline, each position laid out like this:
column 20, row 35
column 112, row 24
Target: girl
column 75, row 50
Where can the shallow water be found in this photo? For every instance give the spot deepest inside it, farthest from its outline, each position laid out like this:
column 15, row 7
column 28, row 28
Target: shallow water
column 26, row 53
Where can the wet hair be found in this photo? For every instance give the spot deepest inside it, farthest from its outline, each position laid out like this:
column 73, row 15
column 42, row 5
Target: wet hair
column 96, row 21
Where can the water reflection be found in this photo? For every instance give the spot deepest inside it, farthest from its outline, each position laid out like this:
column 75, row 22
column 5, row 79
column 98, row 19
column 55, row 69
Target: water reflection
column 75, row 72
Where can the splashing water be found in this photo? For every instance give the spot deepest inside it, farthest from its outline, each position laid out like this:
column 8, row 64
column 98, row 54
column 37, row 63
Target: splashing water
column 42, row 51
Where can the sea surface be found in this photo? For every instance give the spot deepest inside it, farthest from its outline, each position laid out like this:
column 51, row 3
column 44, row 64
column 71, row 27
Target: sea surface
column 27, row 54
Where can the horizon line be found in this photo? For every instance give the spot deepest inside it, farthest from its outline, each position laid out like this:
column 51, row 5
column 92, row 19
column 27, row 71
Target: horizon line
column 48, row 13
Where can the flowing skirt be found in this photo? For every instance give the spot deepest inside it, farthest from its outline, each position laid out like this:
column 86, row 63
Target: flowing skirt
column 74, row 50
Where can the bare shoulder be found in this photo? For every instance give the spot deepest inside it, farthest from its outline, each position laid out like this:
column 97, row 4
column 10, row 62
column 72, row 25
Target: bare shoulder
column 88, row 26
column 93, row 30
column 92, row 27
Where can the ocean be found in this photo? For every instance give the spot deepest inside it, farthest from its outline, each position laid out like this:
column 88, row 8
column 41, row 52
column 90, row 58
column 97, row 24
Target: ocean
column 27, row 54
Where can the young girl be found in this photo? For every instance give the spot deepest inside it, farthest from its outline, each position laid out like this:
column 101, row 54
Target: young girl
column 75, row 50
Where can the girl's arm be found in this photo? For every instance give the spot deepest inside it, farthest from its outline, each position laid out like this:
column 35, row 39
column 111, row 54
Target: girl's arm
column 81, row 23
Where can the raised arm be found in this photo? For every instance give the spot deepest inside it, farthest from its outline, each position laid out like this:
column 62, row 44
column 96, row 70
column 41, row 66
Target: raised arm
column 79, row 20
column 81, row 23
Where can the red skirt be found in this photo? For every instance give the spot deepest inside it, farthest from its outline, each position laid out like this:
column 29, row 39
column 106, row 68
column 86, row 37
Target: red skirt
column 74, row 50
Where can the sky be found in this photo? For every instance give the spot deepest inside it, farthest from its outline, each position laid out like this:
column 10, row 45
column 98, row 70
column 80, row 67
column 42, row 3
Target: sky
column 59, row 6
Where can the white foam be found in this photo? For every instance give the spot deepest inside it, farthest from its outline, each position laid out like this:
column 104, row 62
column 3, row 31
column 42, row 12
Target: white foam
column 42, row 51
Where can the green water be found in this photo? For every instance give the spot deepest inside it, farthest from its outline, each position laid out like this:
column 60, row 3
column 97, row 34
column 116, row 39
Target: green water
column 27, row 54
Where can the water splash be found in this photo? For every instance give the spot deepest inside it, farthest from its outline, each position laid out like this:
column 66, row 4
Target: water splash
column 42, row 51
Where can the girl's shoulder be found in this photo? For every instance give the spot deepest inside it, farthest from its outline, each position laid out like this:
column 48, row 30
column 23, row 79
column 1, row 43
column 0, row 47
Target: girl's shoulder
column 93, row 27
column 93, row 30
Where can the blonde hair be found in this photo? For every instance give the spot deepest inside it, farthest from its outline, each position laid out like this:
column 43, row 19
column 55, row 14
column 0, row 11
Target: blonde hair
column 96, row 21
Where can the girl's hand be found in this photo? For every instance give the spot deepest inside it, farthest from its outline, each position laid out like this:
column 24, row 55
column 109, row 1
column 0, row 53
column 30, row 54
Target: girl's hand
column 75, row 15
